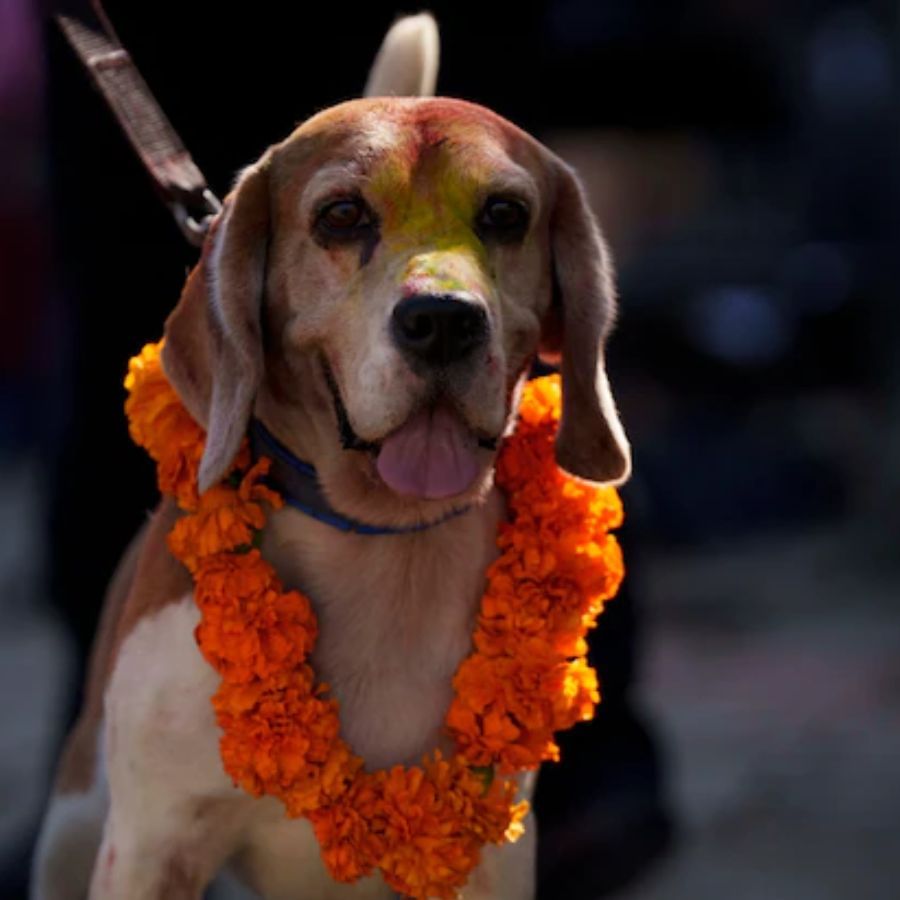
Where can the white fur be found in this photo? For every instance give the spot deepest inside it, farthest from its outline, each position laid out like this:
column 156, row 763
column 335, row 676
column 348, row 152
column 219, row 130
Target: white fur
column 173, row 813
column 407, row 63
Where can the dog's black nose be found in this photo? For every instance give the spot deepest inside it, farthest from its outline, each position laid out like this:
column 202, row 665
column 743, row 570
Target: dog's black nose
column 438, row 328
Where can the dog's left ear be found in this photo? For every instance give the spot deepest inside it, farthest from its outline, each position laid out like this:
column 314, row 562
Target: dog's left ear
column 591, row 442
column 213, row 354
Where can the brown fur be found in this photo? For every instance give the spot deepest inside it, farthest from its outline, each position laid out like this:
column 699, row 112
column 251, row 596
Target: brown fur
column 269, row 302
column 147, row 578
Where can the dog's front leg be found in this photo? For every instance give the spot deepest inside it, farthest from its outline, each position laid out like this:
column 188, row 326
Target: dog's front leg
column 174, row 816
column 507, row 872
column 145, row 867
column 172, row 855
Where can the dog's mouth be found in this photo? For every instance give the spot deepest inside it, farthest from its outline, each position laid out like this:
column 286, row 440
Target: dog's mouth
column 350, row 440
column 431, row 456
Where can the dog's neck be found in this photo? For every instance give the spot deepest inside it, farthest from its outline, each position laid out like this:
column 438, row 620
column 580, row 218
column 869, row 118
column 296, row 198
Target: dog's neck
column 396, row 615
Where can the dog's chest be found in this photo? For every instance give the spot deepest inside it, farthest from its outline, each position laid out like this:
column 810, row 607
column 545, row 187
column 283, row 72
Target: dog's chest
column 395, row 619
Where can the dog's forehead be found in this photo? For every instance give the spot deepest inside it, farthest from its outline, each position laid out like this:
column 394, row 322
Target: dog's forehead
column 427, row 118
column 362, row 134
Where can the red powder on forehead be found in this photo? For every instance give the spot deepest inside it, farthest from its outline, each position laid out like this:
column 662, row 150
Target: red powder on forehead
column 424, row 125
column 419, row 113
column 434, row 122
column 439, row 119
column 434, row 115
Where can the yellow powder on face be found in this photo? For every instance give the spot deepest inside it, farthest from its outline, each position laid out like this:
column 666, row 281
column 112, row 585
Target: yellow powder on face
column 426, row 197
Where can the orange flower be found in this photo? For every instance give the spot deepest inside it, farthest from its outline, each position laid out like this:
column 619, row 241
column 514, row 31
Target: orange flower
column 279, row 737
column 422, row 827
column 349, row 832
column 226, row 518
column 250, row 629
column 435, row 819
column 159, row 423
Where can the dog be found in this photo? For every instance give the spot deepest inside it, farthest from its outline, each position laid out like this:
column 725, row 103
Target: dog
column 374, row 293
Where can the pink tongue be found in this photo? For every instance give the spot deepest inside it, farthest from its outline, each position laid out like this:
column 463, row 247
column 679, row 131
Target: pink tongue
column 431, row 456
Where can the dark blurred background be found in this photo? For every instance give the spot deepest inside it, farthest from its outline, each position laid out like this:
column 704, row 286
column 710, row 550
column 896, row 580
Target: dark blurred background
column 743, row 158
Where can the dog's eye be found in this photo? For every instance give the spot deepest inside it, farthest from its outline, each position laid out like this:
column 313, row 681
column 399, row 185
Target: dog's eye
column 345, row 218
column 503, row 218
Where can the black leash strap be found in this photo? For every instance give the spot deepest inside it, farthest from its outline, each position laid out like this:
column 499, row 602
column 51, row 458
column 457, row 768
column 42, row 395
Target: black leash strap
column 178, row 180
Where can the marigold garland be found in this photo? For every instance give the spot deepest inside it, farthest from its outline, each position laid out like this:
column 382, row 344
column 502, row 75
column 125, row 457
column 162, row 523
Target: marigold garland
column 422, row 827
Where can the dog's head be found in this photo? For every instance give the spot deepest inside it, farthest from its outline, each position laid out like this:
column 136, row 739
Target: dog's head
column 376, row 289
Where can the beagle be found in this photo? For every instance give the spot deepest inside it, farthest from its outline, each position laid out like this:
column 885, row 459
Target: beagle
column 373, row 295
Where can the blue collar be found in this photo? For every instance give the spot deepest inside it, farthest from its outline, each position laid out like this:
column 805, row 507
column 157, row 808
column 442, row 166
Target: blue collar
column 298, row 484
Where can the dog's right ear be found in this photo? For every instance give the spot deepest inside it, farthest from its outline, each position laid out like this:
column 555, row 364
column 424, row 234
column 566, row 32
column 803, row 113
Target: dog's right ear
column 407, row 62
column 212, row 354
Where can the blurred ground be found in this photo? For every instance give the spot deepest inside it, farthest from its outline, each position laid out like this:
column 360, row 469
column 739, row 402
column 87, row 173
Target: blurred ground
column 770, row 669
column 33, row 658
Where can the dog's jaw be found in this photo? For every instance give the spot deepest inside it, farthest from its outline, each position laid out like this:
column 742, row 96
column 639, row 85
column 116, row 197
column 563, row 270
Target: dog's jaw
column 361, row 472
column 349, row 439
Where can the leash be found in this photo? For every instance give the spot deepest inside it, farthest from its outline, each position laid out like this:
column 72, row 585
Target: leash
column 176, row 176
column 184, row 190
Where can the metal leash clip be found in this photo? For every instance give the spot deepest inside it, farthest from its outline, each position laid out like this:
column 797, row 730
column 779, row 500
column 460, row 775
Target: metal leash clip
column 176, row 176
column 194, row 214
